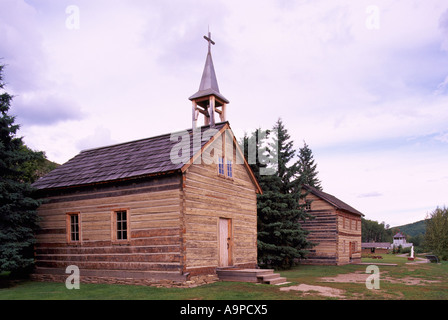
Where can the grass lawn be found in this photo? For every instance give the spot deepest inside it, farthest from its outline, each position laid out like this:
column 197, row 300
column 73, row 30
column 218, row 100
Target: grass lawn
column 404, row 281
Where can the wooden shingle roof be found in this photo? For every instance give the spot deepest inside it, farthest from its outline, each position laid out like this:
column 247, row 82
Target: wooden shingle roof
column 339, row 204
column 140, row 158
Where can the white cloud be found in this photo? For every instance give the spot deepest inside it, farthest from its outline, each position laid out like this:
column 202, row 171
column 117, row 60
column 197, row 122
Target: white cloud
column 45, row 108
column 100, row 137
column 443, row 25
column 442, row 87
column 442, row 136
column 372, row 194
column 20, row 42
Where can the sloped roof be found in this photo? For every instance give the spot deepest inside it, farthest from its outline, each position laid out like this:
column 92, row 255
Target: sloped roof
column 132, row 159
column 399, row 235
column 209, row 82
column 339, row 204
column 385, row 245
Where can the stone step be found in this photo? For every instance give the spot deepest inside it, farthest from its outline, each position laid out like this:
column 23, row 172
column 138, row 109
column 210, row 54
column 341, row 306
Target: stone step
column 244, row 275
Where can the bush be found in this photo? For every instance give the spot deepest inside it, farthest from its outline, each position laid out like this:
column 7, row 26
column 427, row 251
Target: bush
column 406, row 250
column 436, row 237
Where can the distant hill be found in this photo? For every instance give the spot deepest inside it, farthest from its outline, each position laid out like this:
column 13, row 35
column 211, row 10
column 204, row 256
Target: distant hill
column 413, row 229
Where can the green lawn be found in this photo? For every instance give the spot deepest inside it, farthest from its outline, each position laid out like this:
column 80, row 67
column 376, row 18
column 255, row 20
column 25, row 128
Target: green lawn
column 422, row 281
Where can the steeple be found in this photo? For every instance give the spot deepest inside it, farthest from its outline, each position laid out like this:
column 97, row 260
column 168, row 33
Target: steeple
column 208, row 99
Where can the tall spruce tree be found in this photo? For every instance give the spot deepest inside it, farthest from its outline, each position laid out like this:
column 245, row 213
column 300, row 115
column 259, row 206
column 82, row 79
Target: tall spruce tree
column 281, row 238
column 307, row 167
column 18, row 216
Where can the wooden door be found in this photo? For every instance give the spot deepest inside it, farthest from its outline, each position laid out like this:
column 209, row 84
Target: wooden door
column 225, row 242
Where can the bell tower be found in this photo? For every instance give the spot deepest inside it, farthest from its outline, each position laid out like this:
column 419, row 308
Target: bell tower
column 208, row 100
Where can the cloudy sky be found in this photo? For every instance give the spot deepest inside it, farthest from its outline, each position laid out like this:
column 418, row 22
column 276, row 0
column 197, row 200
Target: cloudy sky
column 364, row 83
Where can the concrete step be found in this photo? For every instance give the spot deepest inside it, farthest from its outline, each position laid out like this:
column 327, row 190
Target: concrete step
column 244, row 275
column 282, row 283
column 277, row 280
column 266, row 276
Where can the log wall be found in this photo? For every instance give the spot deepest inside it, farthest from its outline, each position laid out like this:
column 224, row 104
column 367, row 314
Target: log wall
column 153, row 247
column 349, row 234
column 323, row 233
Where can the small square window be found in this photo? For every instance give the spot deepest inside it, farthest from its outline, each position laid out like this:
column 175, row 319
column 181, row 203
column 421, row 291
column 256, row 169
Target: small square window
column 308, row 205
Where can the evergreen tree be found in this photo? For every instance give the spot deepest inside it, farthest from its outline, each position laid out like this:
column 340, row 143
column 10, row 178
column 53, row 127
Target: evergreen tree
column 307, row 167
column 436, row 236
column 18, row 216
column 281, row 239
column 372, row 231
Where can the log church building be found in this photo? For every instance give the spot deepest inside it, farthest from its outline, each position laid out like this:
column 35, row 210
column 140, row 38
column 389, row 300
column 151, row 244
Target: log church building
column 132, row 211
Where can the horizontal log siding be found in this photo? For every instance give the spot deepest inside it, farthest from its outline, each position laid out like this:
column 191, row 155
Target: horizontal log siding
column 323, row 233
column 208, row 197
column 154, row 229
column 349, row 231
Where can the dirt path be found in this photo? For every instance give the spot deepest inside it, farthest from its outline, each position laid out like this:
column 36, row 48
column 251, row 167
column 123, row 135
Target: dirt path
column 417, row 260
column 361, row 277
column 320, row 290
column 356, row 277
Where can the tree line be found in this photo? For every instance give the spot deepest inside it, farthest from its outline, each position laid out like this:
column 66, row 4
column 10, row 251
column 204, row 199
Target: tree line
column 434, row 238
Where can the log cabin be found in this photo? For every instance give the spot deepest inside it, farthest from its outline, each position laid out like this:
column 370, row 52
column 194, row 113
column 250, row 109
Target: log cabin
column 335, row 229
column 162, row 208
column 375, row 247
